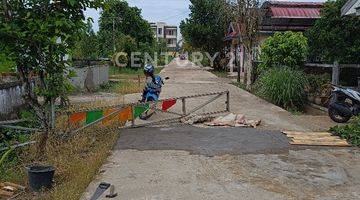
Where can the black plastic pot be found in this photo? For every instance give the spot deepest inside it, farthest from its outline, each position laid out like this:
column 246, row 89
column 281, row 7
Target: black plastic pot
column 40, row 176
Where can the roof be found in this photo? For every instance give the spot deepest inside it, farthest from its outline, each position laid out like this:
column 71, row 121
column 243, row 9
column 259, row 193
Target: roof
column 285, row 9
column 350, row 7
column 280, row 12
column 283, row 16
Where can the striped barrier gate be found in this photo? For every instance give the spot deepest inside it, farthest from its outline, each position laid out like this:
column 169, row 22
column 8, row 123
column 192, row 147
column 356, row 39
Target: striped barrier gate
column 126, row 116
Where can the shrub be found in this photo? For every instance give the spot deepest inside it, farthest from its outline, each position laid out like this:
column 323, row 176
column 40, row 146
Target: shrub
column 350, row 132
column 283, row 86
column 316, row 82
column 284, row 49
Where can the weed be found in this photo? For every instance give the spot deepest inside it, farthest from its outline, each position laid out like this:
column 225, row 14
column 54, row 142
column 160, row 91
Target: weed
column 284, row 87
column 350, row 132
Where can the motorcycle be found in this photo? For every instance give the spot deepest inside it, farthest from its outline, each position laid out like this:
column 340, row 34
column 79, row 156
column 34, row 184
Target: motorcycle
column 151, row 96
column 344, row 104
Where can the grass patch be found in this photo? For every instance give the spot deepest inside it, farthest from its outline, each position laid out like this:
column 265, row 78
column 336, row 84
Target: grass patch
column 350, row 132
column 114, row 70
column 126, row 80
column 11, row 169
column 123, row 87
column 76, row 161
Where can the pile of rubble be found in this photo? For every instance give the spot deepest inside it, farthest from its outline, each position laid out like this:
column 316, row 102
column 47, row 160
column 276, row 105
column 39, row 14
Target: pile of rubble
column 230, row 120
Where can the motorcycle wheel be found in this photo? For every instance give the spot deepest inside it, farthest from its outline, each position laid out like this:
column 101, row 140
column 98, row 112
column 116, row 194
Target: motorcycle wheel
column 336, row 117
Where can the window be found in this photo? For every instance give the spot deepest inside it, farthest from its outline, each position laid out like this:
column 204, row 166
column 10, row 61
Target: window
column 171, row 32
column 170, row 41
column 160, row 31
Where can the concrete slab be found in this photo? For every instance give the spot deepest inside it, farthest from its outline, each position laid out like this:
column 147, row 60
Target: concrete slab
column 184, row 162
column 203, row 141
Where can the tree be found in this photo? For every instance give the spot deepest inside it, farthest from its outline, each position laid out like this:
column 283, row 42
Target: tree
column 335, row 37
column 284, row 49
column 86, row 46
column 119, row 19
column 248, row 15
column 206, row 26
column 36, row 36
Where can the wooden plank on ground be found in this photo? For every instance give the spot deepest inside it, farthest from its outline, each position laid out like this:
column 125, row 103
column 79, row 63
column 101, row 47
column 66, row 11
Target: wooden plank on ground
column 306, row 133
column 320, row 143
column 17, row 186
column 315, row 139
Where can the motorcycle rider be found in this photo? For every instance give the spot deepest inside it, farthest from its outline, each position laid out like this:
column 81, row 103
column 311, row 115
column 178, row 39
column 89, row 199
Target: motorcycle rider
column 151, row 82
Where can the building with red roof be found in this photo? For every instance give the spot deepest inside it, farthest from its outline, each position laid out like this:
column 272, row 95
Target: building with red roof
column 277, row 16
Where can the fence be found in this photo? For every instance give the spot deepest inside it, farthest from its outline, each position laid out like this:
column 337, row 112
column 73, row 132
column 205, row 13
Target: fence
column 120, row 115
column 336, row 69
column 90, row 77
column 10, row 98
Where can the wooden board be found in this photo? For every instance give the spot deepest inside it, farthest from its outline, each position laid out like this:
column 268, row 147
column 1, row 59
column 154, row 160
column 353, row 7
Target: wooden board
column 8, row 190
column 306, row 133
column 320, row 143
column 315, row 139
column 7, row 194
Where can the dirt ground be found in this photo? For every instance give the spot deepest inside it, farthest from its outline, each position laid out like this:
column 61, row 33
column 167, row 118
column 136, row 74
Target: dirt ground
column 185, row 162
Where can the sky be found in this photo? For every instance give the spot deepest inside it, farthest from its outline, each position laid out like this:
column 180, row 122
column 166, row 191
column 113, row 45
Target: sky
column 170, row 11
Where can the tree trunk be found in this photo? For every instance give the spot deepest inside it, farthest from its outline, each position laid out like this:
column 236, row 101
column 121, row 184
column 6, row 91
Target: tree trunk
column 249, row 71
column 42, row 143
column 40, row 110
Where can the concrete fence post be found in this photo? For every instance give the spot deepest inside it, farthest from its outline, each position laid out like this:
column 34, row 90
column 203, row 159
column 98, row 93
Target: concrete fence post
column 335, row 73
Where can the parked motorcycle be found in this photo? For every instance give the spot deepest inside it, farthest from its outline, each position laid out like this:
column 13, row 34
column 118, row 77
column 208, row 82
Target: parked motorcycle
column 152, row 95
column 344, row 104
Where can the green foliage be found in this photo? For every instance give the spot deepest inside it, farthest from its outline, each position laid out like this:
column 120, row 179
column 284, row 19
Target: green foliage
column 284, row 49
column 6, row 65
column 36, row 35
column 204, row 29
column 127, row 21
column 8, row 161
column 283, row 86
column 125, row 25
column 350, row 132
column 315, row 81
column 86, row 46
column 335, row 37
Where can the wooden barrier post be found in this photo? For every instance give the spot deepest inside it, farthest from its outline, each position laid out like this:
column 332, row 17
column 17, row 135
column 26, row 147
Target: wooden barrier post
column 335, row 73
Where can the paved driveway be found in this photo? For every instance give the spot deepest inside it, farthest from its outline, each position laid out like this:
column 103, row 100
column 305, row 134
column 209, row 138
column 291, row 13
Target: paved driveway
column 184, row 162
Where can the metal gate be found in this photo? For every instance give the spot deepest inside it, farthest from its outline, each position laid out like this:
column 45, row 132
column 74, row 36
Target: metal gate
column 127, row 116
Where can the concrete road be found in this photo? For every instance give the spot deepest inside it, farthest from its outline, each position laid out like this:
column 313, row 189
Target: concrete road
column 185, row 162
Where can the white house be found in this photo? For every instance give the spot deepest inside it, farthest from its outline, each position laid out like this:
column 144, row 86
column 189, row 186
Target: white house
column 163, row 31
column 352, row 7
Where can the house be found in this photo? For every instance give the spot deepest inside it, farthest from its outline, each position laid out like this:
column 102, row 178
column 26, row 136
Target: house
column 168, row 33
column 352, row 7
column 277, row 16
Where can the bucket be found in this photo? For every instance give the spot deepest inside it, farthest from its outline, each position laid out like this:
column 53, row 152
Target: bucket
column 40, row 176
